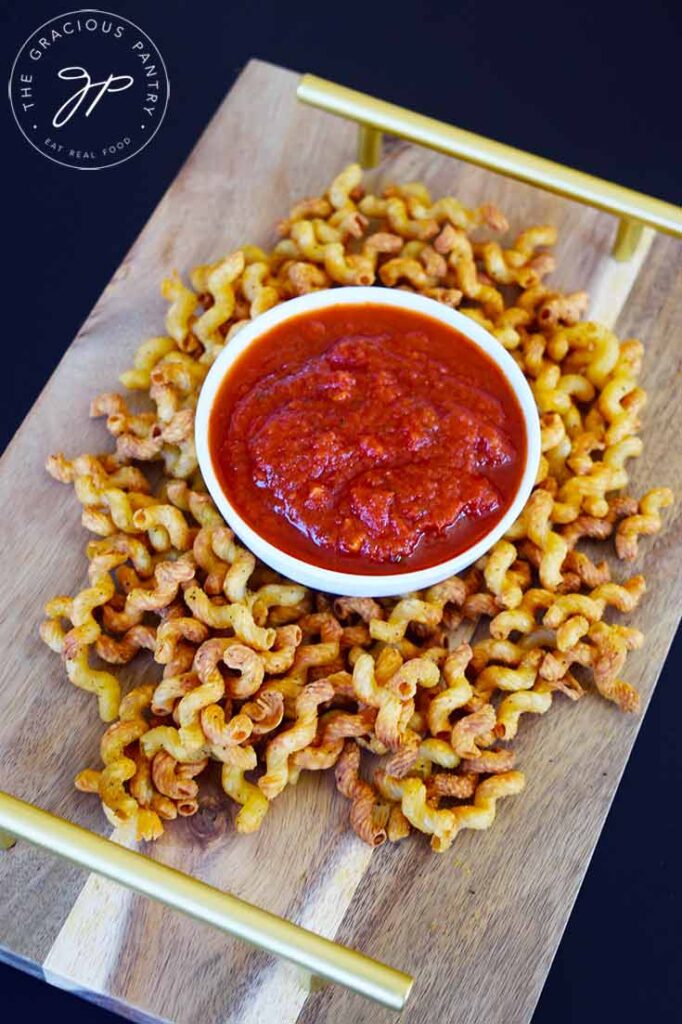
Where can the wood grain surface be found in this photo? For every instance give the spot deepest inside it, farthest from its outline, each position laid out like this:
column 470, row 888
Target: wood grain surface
column 478, row 927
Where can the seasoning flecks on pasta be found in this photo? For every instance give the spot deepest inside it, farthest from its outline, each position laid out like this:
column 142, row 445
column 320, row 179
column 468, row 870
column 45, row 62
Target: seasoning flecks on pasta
column 258, row 680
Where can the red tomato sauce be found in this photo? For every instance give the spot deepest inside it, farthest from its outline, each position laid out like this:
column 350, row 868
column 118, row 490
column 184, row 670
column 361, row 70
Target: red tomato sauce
column 367, row 439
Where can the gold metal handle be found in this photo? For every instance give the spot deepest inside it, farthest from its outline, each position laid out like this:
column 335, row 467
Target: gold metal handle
column 375, row 116
column 321, row 957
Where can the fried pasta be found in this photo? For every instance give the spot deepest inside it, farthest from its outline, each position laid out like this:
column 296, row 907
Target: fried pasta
column 257, row 679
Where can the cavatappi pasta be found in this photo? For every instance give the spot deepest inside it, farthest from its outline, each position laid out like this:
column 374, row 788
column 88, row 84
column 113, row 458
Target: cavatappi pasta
column 259, row 679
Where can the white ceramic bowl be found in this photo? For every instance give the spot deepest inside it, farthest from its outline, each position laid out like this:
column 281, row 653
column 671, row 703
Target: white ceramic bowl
column 351, row 584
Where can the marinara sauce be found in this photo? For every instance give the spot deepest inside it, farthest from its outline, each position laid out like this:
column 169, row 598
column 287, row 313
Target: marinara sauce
column 367, row 439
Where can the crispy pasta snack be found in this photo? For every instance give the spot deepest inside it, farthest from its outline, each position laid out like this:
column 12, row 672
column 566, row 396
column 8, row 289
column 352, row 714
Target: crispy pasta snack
column 257, row 679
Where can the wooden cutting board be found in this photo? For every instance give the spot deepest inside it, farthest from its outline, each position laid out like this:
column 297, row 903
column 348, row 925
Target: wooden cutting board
column 478, row 927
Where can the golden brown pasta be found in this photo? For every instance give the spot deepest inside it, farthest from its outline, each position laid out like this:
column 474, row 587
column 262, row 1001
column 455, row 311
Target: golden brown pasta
column 645, row 523
column 362, row 796
column 298, row 736
column 256, row 674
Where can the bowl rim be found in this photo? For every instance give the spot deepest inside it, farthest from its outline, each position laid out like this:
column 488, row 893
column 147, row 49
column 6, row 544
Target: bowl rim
column 359, row 584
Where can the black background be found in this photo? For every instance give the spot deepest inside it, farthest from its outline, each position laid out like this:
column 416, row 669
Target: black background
column 591, row 84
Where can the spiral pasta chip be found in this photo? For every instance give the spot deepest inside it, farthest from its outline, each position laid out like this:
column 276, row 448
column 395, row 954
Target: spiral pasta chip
column 259, row 679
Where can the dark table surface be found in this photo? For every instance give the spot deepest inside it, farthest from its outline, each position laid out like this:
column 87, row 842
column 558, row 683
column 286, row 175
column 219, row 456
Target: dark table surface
column 591, row 84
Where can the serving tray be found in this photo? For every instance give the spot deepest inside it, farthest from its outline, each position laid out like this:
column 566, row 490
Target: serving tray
column 477, row 927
